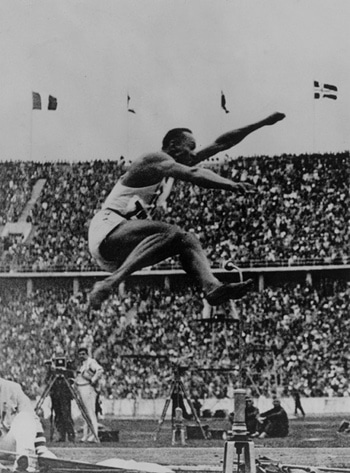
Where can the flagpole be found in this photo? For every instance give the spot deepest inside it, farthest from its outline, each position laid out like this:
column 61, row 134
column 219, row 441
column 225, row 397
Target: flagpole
column 36, row 105
column 314, row 119
column 31, row 135
column 129, row 123
column 127, row 126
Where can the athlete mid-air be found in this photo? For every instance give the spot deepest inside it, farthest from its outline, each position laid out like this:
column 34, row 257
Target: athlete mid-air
column 122, row 236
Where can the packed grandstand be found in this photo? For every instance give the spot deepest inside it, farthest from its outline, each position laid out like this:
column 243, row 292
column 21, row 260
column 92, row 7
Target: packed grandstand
column 295, row 328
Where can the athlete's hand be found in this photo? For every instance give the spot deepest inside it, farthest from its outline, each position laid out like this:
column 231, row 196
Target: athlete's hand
column 274, row 118
column 243, row 187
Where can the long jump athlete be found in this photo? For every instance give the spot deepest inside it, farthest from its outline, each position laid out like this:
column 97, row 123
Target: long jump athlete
column 122, row 236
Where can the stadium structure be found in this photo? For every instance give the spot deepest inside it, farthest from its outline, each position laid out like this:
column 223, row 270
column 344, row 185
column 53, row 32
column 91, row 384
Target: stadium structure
column 291, row 237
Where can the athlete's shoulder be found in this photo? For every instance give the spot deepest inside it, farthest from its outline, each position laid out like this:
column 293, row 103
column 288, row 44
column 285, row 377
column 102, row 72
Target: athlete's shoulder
column 155, row 157
column 151, row 162
column 10, row 384
column 6, row 382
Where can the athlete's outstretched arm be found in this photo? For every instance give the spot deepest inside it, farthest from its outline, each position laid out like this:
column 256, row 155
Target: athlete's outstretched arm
column 232, row 138
column 201, row 177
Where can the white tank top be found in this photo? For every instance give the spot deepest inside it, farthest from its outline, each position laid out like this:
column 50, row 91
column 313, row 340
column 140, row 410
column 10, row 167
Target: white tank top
column 138, row 202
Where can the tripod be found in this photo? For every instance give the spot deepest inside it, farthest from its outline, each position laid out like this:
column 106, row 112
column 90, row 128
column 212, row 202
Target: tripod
column 59, row 374
column 239, row 445
column 178, row 388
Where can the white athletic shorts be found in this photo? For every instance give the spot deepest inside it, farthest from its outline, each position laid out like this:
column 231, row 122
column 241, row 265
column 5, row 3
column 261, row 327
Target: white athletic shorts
column 100, row 226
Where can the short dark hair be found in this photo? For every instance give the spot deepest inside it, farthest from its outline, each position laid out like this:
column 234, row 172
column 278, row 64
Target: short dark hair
column 173, row 135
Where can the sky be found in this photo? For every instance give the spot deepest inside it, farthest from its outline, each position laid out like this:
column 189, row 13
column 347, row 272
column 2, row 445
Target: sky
column 172, row 58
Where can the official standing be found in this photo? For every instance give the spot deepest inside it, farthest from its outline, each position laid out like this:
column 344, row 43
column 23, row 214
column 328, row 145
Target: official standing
column 87, row 382
column 297, row 400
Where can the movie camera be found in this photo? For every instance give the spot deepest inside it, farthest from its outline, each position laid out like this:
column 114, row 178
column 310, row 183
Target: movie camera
column 58, row 363
column 60, row 368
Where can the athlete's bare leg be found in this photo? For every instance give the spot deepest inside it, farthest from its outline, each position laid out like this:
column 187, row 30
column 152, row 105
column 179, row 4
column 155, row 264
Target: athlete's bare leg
column 140, row 243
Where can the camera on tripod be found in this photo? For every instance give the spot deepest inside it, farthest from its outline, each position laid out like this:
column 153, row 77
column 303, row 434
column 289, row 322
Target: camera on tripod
column 60, row 380
column 180, row 370
column 179, row 364
column 57, row 363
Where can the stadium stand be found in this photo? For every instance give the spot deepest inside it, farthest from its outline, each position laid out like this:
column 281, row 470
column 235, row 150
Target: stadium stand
column 295, row 332
column 298, row 215
column 294, row 335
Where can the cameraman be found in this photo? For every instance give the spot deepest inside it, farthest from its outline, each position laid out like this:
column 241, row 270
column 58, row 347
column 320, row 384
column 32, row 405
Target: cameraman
column 177, row 396
column 61, row 396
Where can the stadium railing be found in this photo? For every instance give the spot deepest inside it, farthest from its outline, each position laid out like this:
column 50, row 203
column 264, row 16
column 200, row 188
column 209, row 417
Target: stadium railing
column 13, row 268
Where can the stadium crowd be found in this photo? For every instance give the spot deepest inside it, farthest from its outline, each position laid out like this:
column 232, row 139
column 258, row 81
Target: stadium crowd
column 299, row 213
column 295, row 335
column 17, row 179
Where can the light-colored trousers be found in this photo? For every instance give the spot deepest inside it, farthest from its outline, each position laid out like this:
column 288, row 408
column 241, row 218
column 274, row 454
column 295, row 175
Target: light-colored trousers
column 88, row 396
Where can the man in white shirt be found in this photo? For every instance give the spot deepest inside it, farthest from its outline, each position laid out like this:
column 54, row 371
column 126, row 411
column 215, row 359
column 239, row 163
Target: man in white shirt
column 87, row 382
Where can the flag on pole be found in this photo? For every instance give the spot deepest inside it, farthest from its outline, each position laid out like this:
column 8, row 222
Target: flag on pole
column 223, row 102
column 327, row 91
column 52, row 105
column 131, row 110
column 36, row 101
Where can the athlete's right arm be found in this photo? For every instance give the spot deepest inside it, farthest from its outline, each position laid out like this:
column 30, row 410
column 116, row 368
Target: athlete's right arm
column 200, row 176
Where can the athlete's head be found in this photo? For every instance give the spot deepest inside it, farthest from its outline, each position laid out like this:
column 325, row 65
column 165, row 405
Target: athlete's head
column 179, row 143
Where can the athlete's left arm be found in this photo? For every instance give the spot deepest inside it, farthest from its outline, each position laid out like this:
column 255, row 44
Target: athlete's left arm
column 206, row 153
column 232, row 138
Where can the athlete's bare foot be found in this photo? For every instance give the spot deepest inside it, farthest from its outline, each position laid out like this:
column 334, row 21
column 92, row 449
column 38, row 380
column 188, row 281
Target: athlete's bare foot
column 99, row 293
column 227, row 292
column 274, row 118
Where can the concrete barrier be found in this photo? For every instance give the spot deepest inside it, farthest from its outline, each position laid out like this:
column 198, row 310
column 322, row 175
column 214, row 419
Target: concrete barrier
column 153, row 408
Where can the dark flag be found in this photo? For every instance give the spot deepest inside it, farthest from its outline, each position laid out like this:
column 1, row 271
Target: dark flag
column 131, row 110
column 327, row 91
column 223, row 102
column 52, row 103
column 36, row 101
